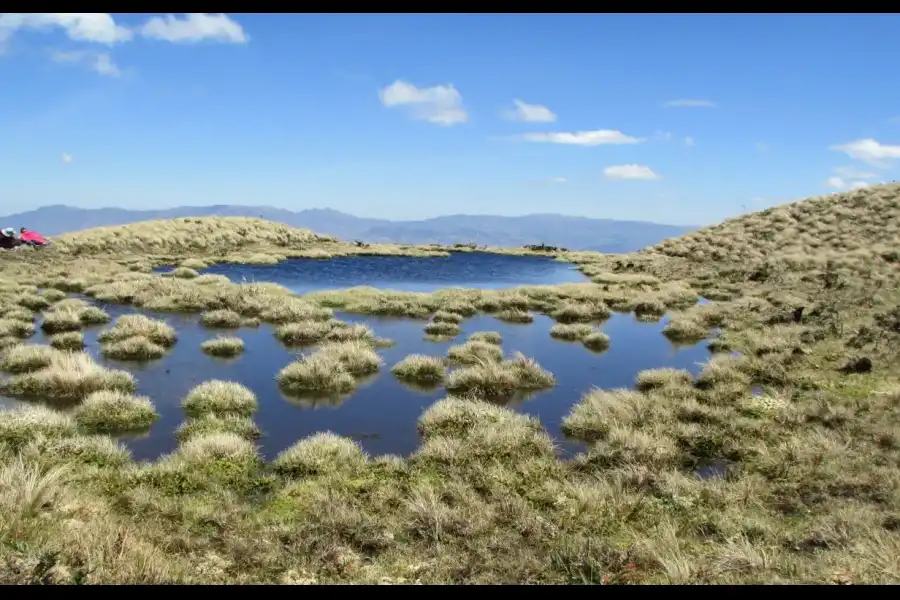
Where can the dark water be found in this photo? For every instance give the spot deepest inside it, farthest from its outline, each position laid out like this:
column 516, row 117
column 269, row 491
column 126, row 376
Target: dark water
column 382, row 413
column 413, row 274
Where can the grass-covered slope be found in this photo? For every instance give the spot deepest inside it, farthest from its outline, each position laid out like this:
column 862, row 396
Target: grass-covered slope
column 794, row 424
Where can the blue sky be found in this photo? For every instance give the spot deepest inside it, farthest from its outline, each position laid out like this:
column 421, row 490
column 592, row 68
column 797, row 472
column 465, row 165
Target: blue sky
column 670, row 118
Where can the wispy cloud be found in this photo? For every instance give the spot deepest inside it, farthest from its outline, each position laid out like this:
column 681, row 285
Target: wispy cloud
column 530, row 113
column 596, row 137
column 630, row 172
column 440, row 104
column 689, row 141
column 99, row 62
column 66, row 158
column 869, row 151
column 690, row 103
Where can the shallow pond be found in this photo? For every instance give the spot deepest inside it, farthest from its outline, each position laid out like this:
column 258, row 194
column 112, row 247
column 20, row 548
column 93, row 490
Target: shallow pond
column 382, row 413
column 412, row 274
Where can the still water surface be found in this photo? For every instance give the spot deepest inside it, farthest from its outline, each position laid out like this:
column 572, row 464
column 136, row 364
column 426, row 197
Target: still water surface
column 382, row 412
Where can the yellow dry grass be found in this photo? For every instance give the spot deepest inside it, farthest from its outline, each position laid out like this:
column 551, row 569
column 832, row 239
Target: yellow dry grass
column 683, row 480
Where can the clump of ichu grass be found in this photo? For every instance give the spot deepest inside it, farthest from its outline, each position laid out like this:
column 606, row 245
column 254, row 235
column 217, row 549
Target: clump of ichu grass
column 303, row 333
column 205, row 450
column 70, row 340
column 70, row 376
column 601, row 411
column 420, row 368
column 128, row 326
column 18, row 314
column 321, row 454
column 581, row 312
column 138, row 348
column 33, row 302
column 454, row 417
column 357, row 357
column 342, row 332
column 573, row 332
column 193, row 263
column 472, row 353
column 15, row 328
column 489, row 337
column 685, row 329
column 24, row 358
column 596, row 341
column 220, row 398
column 23, row 425
column 208, row 423
column 112, row 411
column 223, row 346
column 489, row 379
column 72, row 314
column 222, row 319
column 53, row 295
column 183, row 273
column 442, row 329
column 515, row 315
column 443, row 316
column 653, row 379
column 316, row 373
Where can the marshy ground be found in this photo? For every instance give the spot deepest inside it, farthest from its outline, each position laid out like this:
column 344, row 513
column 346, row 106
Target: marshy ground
column 793, row 422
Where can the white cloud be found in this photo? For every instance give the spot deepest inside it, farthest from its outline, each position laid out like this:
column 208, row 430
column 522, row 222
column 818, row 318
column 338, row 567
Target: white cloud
column 99, row 28
column 195, row 27
column 842, row 184
column 441, row 104
column 630, row 172
column 665, row 136
column 530, row 113
column 99, row 62
column 689, row 142
column 66, row 158
column 596, row 137
column 870, row 151
column 557, row 180
column 687, row 103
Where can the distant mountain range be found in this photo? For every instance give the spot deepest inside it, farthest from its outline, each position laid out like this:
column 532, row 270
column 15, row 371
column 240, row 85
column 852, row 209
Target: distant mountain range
column 576, row 233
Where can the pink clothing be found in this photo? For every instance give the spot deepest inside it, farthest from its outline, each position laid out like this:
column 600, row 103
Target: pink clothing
column 30, row 236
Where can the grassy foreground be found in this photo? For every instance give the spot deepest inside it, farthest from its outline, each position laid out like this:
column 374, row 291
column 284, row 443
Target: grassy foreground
column 797, row 417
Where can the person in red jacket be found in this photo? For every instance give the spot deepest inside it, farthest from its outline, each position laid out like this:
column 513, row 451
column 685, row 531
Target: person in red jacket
column 32, row 238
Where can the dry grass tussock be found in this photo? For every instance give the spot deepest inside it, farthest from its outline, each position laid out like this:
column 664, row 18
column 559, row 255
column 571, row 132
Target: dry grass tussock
column 778, row 463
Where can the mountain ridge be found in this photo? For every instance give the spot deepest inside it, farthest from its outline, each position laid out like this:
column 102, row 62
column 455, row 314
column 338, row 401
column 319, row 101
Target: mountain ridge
column 574, row 232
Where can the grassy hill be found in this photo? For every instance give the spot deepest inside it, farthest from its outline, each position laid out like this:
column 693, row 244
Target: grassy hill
column 797, row 410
